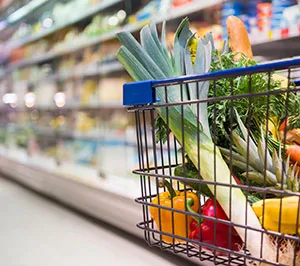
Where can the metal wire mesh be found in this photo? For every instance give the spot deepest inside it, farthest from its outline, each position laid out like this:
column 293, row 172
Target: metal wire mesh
column 159, row 158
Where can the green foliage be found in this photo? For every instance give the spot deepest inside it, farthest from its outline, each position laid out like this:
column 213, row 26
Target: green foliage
column 253, row 110
column 162, row 131
column 188, row 170
column 294, row 110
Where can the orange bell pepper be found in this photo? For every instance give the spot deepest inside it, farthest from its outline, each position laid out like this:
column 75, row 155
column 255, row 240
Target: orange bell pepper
column 163, row 218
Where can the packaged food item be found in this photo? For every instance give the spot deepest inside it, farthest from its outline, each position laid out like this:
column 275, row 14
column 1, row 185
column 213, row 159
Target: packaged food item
column 88, row 91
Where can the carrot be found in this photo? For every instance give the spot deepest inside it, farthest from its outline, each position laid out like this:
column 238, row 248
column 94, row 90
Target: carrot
column 284, row 124
column 239, row 41
column 294, row 152
column 292, row 136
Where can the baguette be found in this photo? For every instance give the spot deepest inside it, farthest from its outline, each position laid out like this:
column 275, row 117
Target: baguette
column 239, row 41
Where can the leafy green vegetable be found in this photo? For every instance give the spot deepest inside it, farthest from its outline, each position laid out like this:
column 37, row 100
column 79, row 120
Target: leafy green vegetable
column 252, row 111
column 162, row 131
column 253, row 198
column 294, row 110
column 188, row 170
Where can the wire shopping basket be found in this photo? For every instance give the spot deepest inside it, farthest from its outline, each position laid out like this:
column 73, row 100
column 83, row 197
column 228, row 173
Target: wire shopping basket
column 218, row 173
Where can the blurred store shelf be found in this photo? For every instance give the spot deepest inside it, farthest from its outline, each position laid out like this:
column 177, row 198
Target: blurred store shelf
column 87, row 71
column 178, row 12
column 7, row 4
column 68, row 107
column 278, row 48
column 283, row 47
column 93, row 10
column 101, row 70
column 174, row 13
column 54, row 54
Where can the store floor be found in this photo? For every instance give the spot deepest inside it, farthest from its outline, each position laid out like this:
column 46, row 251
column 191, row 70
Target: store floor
column 35, row 231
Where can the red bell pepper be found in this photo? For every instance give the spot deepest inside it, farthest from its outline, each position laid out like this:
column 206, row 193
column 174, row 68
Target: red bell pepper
column 203, row 230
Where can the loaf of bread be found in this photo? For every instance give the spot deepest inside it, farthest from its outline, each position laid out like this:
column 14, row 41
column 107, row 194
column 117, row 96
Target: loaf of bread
column 239, row 41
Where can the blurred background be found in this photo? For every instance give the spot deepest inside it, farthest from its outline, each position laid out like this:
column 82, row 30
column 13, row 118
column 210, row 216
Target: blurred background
column 63, row 129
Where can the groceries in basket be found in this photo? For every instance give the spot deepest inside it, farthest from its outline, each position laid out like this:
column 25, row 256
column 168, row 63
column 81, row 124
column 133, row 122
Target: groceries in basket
column 238, row 152
column 214, row 235
column 175, row 199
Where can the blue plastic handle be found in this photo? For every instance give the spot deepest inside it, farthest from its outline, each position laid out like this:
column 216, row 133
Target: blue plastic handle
column 138, row 93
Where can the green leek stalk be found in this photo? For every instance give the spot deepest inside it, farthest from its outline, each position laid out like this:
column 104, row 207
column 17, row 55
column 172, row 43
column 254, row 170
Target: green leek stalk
column 151, row 60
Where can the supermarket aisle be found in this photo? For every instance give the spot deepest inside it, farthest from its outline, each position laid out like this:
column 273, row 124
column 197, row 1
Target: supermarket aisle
column 35, row 231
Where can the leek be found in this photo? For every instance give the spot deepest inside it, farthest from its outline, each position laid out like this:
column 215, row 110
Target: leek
column 153, row 62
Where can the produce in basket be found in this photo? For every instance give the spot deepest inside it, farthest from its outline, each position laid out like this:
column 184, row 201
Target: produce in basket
column 288, row 133
column 152, row 60
column 272, row 212
column 163, row 217
column 260, row 167
column 253, row 112
column 224, row 236
column 189, row 171
column 238, row 38
column 292, row 138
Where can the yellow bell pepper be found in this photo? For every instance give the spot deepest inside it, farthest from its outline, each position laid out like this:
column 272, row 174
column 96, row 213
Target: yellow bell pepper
column 163, row 220
column 270, row 209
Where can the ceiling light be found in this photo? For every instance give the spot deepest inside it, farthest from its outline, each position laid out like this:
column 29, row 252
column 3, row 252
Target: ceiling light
column 121, row 14
column 113, row 21
column 60, row 99
column 13, row 105
column 29, row 99
column 47, row 22
column 9, row 98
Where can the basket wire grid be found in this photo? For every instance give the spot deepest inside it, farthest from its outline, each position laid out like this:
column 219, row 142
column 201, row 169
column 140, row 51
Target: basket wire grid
column 158, row 159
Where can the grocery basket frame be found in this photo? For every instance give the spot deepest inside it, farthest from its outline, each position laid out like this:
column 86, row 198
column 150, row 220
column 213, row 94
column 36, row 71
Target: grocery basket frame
column 141, row 98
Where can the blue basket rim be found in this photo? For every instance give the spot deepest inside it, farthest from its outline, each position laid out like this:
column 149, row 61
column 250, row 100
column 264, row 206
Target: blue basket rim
column 265, row 67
